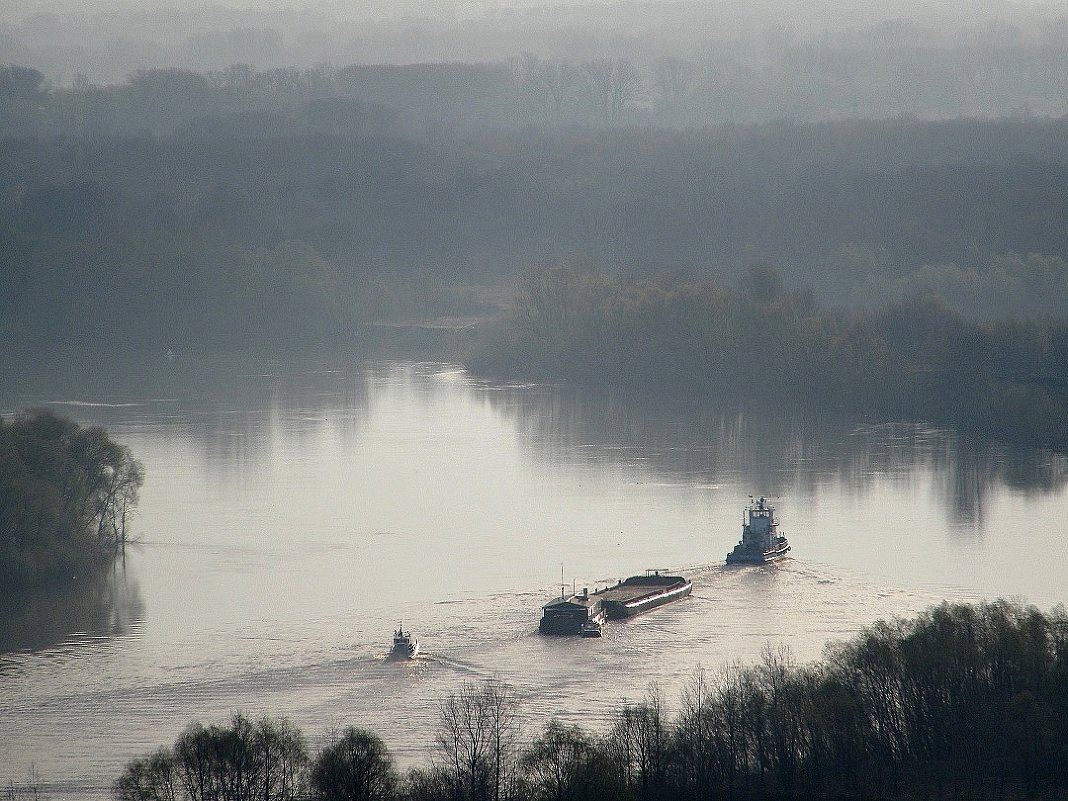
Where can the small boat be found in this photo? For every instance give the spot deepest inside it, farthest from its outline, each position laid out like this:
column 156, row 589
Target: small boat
column 591, row 628
column 761, row 541
column 405, row 646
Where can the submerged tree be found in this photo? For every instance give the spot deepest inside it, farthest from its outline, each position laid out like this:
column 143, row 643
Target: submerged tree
column 65, row 495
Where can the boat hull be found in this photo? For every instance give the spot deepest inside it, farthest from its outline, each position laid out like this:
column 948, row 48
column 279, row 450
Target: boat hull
column 620, row 609
column 745, row 557
column 590, row 629
column 560, row 626
column 405, row 651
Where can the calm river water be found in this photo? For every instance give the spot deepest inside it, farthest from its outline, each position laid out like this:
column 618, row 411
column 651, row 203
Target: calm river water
column 293, row 515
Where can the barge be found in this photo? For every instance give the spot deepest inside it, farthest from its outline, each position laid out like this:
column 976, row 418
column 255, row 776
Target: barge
column 641, row 593
column 626, row 598
column 761, row 541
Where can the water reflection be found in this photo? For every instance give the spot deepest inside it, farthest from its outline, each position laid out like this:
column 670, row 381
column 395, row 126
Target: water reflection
column 234, row 412
column 237, row 407
column 292, row 513
column 95, row 609
column 775, row 453
column 232, row 407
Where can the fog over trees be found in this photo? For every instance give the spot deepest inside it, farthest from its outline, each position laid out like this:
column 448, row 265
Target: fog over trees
column 866, row 203
column 914, row 359
column 254, row 184
column 741, row 62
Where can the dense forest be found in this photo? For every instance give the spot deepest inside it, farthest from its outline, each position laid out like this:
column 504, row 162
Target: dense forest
column 65, row 494
column 223, row 211
column 961, row 701
column 914, row 359
column 842, row 206
column 919, row 267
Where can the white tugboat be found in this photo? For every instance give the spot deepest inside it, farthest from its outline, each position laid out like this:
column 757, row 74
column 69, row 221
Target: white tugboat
column 761, row 541
column 405, row 646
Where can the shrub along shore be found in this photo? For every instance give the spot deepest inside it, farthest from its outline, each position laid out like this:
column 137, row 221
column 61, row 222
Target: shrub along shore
column 915, row 359
column 962, row 701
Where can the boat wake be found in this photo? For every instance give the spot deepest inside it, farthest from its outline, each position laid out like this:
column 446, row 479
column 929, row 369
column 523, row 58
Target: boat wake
column 464, row 668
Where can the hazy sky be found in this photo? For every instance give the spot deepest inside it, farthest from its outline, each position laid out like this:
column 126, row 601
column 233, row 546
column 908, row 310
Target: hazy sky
column 17, row 10
column 107, row 40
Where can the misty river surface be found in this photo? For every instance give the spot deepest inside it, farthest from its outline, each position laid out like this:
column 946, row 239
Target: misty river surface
column 293, row 515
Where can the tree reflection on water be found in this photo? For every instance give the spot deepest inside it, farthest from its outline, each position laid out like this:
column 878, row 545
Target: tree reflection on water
column 95, row 608
column 776, row 452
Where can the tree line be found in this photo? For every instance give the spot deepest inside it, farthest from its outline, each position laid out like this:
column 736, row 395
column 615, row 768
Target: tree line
column 962, row 701
column 65, row 495
column 915, row 359
column 690, row 70
column 224, row 240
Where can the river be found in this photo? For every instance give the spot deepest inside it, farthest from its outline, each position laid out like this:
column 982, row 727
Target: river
column 292, row 515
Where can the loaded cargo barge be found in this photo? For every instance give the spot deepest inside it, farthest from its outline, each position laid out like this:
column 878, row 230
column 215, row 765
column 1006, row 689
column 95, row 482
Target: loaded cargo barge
column 625, row 599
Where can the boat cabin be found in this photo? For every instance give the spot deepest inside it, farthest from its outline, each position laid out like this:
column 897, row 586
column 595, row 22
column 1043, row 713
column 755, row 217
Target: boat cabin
column 761, row 541
column 566, row 615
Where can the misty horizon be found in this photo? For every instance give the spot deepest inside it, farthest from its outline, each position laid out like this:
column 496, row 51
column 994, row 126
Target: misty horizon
column 108, row 42
column 320, row 316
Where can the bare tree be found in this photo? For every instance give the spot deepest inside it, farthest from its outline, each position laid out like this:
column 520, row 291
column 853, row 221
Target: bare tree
column 152, row 778
column 731, row 725
column 566, row 764
column 673, row 78
column 610, row 86
column 245, row 761
column 640, row 740
column 626, row 87
column 782, row 682
column 559, row 81
column 545, row 303
column 476, row 741
column 284, row 756
column 30, row 791
column 427, row 784
column 526, row 68
column 597, row 85
column 697, row 765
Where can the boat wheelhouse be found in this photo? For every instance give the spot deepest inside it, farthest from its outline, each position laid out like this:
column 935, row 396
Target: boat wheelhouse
column 761, row 541
column 568, row 615
column 405, row 646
